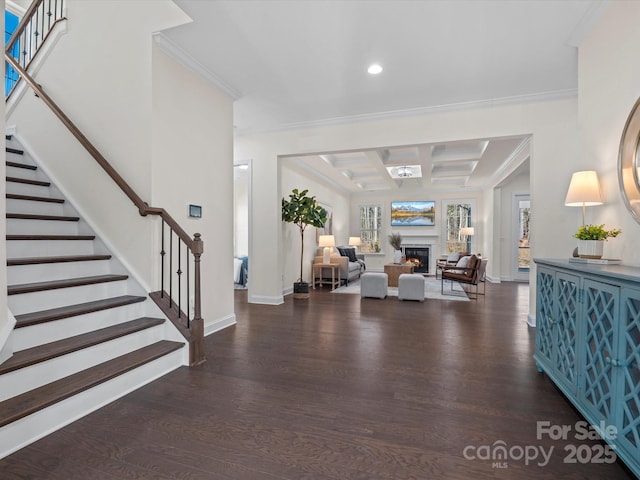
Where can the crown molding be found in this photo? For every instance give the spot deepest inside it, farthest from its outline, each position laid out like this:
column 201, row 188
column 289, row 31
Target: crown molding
column 513, row 161
column 587, row 22
column 185, row 59
column 368, row 117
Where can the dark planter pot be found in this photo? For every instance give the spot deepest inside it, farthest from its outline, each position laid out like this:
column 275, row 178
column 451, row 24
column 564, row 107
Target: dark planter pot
column 301, row 290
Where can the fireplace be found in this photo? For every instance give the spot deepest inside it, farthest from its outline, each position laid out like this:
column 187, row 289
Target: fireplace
column 419, row 256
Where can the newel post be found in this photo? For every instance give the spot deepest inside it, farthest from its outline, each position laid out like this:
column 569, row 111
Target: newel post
column 197, row 324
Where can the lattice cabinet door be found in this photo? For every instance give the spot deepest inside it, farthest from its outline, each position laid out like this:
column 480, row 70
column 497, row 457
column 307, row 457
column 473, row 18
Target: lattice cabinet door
column 600, row 318
column 545, row 317
column 628, row 361
column 565, row 360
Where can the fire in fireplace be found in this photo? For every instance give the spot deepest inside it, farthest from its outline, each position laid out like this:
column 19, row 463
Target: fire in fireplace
column 419, row 256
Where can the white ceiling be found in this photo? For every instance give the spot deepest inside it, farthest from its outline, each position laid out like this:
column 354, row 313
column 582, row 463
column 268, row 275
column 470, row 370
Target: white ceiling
column 292, row 63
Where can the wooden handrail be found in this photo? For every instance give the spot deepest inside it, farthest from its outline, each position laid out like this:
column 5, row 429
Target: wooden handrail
column 195, row 244
column 26, row 18
column 141, row 205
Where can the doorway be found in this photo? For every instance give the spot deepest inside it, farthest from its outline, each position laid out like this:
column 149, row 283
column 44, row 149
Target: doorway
column 241, row 224
column 521, row 234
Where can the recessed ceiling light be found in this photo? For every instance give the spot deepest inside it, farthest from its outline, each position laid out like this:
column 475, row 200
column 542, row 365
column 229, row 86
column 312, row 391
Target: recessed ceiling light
column 374, row 69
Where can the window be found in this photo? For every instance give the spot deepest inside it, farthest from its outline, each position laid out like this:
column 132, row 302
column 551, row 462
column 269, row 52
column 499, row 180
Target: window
column 10, row 76
column 457, row 216
column 370, row 225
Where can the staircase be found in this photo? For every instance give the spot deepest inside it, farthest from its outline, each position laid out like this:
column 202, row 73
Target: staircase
column 86, row 333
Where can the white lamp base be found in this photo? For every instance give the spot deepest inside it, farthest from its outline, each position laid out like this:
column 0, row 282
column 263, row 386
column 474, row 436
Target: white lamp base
column 326, row 255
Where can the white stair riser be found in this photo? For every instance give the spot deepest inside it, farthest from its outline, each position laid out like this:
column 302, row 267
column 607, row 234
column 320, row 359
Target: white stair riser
column 31, row 302
column 17, row 226
column 27, row 337
column 19, row 274
column 19, row 434
column 48, row 248
column 38, row 208
column 26, row 189
column 34, row 376
column 18, row 172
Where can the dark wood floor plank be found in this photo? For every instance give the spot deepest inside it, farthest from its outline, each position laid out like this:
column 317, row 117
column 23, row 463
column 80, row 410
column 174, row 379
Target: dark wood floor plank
column 335, row 387
column 51, row 237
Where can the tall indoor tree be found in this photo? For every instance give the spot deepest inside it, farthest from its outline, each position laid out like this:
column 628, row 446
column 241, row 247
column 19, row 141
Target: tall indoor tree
column 302, row 210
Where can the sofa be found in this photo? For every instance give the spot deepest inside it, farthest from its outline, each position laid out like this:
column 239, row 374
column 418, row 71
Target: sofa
column 350, row 268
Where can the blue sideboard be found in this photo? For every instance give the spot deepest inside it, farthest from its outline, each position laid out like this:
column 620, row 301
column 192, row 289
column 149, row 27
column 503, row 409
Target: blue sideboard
column 588, row 343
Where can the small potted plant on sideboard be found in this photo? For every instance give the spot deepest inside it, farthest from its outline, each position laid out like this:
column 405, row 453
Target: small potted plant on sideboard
column 591, row 240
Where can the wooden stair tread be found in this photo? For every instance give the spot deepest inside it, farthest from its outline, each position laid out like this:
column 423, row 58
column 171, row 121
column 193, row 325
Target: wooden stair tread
column 9, row 163
column 51, row 237
column 35, row 318
column 14, row 150
column 61, row 259
column 32, row 198
column 30, row 216
column 29, row 181
column 42, row 353
column 66, row 283
column 39, row 398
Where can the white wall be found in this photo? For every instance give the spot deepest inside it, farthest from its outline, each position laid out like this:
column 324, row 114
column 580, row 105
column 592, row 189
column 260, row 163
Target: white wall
column 192, row 163
column 552, row 125
column 337, row 202
column 439, row 247
column 609, row 74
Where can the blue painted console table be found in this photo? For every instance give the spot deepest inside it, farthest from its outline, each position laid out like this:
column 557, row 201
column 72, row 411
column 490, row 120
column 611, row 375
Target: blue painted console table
column 588, row 343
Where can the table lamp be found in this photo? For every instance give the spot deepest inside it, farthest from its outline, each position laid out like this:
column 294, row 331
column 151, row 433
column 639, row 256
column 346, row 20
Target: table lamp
column 584, row 191
column 326, row 241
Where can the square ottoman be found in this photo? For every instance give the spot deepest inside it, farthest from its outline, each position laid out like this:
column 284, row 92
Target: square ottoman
column 373, row 285
column 411, row 287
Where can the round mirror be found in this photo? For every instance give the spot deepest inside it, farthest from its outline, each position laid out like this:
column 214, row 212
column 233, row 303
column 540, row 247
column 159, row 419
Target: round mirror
column 629, row 162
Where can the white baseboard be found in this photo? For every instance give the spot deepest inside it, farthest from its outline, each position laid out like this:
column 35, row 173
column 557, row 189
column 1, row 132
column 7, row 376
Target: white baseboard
column 220, row 324
column 265, row 300
column 531, row 320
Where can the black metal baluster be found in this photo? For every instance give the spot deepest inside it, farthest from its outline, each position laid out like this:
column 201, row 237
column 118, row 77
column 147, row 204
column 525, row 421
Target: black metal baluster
column 35, row 34
column 49, row 14
column 188, row 283
column 162, row 254
column 179, row 272
column 170, row 265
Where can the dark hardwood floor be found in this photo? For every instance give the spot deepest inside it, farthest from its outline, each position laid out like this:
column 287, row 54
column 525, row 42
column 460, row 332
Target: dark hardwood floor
column 336, row 388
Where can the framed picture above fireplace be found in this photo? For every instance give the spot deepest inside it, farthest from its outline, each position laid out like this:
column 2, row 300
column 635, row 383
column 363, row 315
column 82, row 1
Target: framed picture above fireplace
column 413, row 214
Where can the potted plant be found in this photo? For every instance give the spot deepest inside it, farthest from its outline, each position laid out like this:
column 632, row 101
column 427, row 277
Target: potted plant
column 302, row 210
column 591, row 240
column 395, row 240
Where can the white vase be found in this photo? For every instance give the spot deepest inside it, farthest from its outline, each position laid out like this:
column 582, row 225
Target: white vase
column 397, row 256
column 590, row 248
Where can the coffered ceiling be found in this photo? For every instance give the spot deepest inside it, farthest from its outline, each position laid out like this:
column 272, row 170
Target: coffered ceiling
column 471, row 164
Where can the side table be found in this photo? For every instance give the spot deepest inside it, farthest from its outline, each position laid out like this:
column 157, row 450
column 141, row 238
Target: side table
column 394, row 270
column 317, row 274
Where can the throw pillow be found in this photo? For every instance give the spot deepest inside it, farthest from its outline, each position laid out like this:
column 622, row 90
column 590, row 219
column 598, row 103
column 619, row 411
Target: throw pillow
column 342, row 252
column 351, row 253
column 464, row 261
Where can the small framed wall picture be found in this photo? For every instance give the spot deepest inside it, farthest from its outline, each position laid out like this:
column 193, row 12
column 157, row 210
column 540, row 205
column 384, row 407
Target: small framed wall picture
column 195, row 211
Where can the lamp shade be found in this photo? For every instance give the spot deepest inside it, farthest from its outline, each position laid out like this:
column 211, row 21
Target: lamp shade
column 467, row 231
column 327, row 241
column 584, row 190
column 354, row 241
